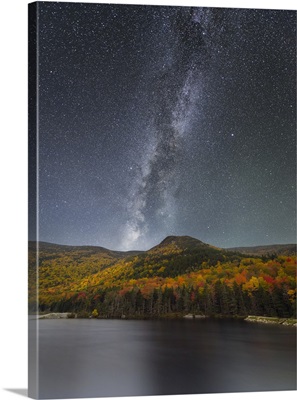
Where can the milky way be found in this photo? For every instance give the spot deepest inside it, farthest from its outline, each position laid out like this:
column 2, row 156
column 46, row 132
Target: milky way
column 166, row 120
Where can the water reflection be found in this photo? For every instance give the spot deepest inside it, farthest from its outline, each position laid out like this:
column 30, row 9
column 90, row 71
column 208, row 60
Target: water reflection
column 98, row 358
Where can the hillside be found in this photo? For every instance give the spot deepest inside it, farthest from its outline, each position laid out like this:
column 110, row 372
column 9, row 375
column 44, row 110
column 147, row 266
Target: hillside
column 275, row 249
column 181, row 242
column 180, row 275
column 55, row 250
column 65, row 268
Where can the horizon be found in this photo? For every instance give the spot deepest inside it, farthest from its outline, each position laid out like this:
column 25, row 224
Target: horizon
column 174, row 236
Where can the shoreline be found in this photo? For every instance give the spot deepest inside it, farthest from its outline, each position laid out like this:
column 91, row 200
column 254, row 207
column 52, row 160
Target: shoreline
column 249, row 318
column 272, row 320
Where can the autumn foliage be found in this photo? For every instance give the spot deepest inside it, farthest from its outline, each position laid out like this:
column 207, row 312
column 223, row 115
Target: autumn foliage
column 173, row 279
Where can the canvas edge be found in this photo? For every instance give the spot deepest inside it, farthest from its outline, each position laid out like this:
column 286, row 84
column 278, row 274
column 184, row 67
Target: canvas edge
column 33, row 365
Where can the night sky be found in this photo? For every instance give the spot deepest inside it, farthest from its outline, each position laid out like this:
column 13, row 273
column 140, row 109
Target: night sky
column 157, row 121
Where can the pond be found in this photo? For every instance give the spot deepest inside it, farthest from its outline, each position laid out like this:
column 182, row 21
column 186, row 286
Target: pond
column 98, row 358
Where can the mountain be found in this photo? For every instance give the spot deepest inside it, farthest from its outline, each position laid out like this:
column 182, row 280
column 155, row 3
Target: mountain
column 177, row 255
column 182, row 242
column 64, row 268
column 285, row 249
column 55, row 249
column 179, row 275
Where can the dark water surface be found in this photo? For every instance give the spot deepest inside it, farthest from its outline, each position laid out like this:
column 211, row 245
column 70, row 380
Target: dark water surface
column 96, row 358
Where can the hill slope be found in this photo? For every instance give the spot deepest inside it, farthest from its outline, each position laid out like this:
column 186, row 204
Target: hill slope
column 64, row 268
column 58, row 249
column 181, row 242
column 284, row 249
column 180, row 275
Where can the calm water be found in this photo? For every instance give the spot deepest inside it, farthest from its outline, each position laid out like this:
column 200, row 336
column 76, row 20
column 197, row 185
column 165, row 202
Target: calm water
column 96, row 358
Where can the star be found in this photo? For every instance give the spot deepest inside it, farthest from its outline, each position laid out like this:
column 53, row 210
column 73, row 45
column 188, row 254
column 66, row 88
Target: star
column 136, row 106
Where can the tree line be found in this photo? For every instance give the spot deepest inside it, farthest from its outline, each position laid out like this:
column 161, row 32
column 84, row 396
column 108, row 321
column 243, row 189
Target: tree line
column 212, row 300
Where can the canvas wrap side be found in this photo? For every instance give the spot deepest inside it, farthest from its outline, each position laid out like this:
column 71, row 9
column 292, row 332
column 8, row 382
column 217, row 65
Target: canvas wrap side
column 32, row 201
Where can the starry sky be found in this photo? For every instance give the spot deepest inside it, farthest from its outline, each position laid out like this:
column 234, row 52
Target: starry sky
column 158, row 120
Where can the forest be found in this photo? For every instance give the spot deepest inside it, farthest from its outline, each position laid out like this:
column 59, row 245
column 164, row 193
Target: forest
column 181, row 275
